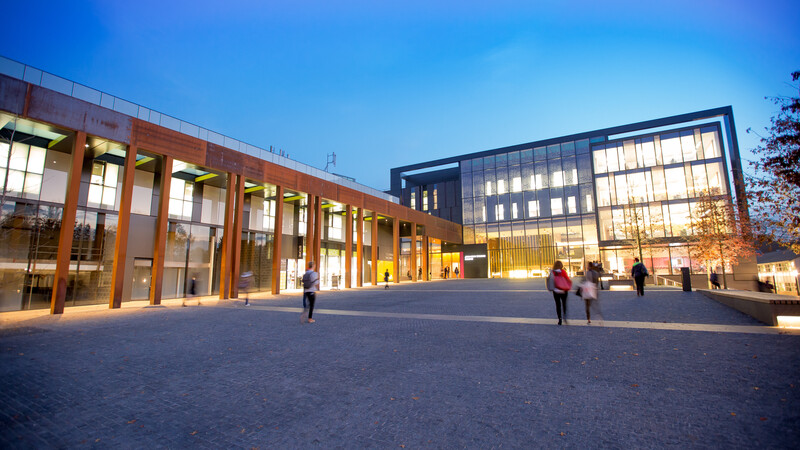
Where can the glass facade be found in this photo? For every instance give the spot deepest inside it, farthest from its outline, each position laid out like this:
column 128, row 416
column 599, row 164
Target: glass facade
column 584, row 200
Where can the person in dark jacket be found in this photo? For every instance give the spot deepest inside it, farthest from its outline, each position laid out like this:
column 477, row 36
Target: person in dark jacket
column 638, row 272
column 714, row 280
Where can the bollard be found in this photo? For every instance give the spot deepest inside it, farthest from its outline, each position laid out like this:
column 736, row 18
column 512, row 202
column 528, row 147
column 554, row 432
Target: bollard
column 687, row 279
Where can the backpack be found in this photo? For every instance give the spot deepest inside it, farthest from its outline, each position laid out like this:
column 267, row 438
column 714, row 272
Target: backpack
column 561, row 282
column 308, row 282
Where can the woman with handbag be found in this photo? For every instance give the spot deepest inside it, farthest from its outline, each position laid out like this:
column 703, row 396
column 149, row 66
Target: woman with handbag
column 559, row 284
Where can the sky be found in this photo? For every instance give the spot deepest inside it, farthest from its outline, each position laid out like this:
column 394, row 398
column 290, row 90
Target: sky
column 389, row 83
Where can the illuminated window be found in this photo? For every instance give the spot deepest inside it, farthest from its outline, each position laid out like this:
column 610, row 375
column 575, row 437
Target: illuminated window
column 557, row 178
column 501, row 186
column 556, row 206
column 414, row 199
column 269, row 215
column 589, row 203
column 334, row 226
column 180, row 199
column 571, row 205
column 435, row 197
column 533, row 208
column 488, row 188
column 499, row 212
column 425, row 200
column 516, row 184
column 514, row 211
column 25, row 167
column 103, row 185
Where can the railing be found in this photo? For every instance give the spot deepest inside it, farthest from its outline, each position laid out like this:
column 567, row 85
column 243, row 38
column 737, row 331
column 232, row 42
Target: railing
column 41, row 78
column 666, row 281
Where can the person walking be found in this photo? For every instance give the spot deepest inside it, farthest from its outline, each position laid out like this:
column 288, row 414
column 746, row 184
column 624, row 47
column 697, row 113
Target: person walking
column 559, row 284
column 714, row 280
column 192, row 290
column 455, row 271
column 244, row 285
column 446, row 272
column 386, row 278
column 638, row 272
column 589, row 291
column 310, row 288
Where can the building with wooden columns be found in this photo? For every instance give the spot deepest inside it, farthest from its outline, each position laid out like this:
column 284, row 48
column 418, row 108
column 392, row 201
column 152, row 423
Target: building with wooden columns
column 106, row 201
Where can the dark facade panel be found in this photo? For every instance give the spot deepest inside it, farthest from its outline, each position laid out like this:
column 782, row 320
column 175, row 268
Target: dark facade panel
column 12, row 95
column 68, row 112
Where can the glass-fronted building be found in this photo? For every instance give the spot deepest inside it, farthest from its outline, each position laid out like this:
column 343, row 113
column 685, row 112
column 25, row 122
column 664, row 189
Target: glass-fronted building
column 585, row 197
column 107, row 201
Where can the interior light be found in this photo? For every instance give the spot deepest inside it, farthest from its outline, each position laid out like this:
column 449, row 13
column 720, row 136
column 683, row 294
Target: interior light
column 87, row 145
column 788, row 321
column 620, row 287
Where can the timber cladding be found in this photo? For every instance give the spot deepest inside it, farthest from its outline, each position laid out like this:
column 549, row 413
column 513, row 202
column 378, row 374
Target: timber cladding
column 72, row 114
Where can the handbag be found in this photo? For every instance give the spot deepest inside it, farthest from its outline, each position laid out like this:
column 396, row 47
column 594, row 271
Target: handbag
column 562, row 283
column 579, row 292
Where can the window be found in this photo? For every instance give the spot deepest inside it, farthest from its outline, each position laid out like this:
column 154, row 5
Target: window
column 514, row 211
column 414, row 198
column 687, row 145
column 603, row 193
column 334, row 226
column 269, row 215
column 103, row 185
column 648, row 152
column 588, row 206
column 499, row 212
column 600, row 161
column 676, row 182
column 516, row 184
column 25, row 167
column 612, row 160
column 622, row 189
column 425, row 200
column 488, row 188
column 180, row 199
column 501, row 186
column 556, row 206
column 716, row 178
column 436, row 197
column 671, row 148
column 710, row 143
column 572, row 207
column 533, row 208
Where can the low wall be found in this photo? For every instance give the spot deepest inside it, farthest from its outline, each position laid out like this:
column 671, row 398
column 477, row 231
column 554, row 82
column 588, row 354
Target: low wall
column 762, row 306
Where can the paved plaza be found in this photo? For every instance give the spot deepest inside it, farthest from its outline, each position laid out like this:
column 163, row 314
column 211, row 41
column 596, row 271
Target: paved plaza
column 445, row 364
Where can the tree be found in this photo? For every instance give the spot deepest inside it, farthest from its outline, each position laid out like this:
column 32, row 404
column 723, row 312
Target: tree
column 637, row 227
column 721, row 235
column 775, row 189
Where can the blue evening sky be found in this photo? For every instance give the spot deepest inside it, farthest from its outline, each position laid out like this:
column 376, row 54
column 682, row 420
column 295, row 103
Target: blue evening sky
column 388, row 83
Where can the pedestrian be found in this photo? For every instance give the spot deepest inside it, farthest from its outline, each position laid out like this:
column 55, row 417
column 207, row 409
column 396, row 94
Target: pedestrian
column 244, row 285
column 601, row 271
column 559, row 284
column 456, row 272
column 589, row 291
column 386, row 278
column 192, row 290
column 419, row 274
column 310, row 288
column 638, row 272
column 446, row 272
column 714, row 280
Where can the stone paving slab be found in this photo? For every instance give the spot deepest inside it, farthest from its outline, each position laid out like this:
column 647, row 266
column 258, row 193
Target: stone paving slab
column 235, row 376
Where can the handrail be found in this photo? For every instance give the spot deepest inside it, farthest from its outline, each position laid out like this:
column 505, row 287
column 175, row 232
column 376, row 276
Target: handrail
column 666, row 281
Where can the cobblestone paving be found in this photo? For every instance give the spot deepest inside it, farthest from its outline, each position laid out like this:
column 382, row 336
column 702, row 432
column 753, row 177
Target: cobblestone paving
column 232, row 376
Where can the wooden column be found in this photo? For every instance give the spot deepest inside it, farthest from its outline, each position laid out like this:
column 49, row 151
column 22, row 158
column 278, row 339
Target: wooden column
column 227, row 239
column 374, row 248
column 413, row 262
column 396, row 249
column 123, row 228
column 360, row 247
column 310, row 209
column 425, row 269
column 318, row 218
column 160, row 244
column 237, row 237
column 348, row 246
column 276, row 241
column 68, row 225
